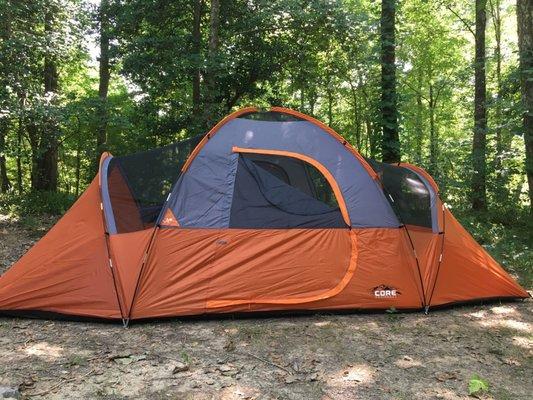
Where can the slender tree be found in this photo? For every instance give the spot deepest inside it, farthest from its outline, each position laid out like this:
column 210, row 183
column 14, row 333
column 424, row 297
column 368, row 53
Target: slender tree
column 496, row 17
column 104, row 77
column 45, row 153
column 524, row 12
column 479, row 144
column 210, row 74
column 196, row 50
column 5, row 35
column 389, row 113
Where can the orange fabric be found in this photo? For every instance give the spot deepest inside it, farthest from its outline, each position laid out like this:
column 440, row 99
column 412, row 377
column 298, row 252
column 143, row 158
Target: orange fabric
column 385, row 260
column 169, row 219
column 192, row 269
column 128, row 251
column 67, row 271
column 299, row 300
column 195, row 271
column 214, row 130
column 331, row 180
column 125, row 210
column 468, row 272
column 428, row 246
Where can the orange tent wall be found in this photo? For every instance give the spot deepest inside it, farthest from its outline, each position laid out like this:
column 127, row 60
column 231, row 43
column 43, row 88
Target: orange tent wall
column 128, row 251
column 67, row 271
column 196, row 271
column 468, row 272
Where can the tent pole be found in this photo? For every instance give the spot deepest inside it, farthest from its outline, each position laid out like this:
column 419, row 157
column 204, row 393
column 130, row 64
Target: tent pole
column 424, row 304
column 139, row 276
column 110, row 261
column 113, row 274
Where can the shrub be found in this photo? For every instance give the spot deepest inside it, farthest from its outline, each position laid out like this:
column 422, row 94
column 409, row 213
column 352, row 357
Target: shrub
column 35, row 203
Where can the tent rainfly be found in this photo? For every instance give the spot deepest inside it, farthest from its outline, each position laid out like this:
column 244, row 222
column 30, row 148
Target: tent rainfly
column 271, row 210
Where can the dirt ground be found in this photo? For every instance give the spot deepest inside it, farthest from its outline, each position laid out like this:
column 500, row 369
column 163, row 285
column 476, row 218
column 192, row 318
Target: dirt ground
column 357, row 356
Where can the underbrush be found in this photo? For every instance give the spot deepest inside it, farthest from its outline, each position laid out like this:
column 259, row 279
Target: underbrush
column 34, row 204
column 508, row 237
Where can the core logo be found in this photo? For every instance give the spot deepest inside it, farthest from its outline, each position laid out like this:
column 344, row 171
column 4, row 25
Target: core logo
column 385, row 292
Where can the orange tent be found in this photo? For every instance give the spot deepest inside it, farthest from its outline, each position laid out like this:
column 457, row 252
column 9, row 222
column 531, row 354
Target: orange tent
column 270, row 211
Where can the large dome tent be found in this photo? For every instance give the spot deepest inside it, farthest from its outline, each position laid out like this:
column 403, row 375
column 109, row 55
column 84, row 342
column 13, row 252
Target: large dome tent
column 269, row 211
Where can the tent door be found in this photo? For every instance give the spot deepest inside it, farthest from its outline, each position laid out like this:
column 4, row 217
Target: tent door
column 289, row 240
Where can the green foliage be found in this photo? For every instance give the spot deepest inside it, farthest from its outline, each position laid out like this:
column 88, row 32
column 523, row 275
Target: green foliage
column 477, row 386
column 320, row 57
column 35, row 203
column 507, row 236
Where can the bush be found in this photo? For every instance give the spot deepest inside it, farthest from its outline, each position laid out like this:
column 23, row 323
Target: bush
column 507, row 240
column 35, row 203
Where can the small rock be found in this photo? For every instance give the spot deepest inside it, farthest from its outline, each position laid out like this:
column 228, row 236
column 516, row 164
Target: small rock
column 445, row 376
column 290, row 379
column 7, row 392
column 180, row 367
column 312, row 377
column 225, row 368
column 210, row 382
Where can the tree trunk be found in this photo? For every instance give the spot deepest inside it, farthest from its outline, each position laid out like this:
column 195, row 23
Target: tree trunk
column 479, row 144
column 210, row 76
column 419, row 129
column 312, row 103
column 196, row 49
column 330, row 106
column 524, row 11
column 373, row 146
column 5, row 185
column 45, row 172
column 20, row 133
column 497, row 22
column 356, row 118
column 391, row 140
column 433, row 140
column 103, row 85
column 5, row 34
column 78, row 169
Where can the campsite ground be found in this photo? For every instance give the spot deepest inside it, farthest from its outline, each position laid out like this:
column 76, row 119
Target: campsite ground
column 358, row 356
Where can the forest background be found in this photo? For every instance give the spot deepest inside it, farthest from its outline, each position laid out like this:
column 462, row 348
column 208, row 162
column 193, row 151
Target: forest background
column 444, row 84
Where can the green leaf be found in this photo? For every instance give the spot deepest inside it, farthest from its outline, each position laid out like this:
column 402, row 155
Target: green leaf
column 477, row 386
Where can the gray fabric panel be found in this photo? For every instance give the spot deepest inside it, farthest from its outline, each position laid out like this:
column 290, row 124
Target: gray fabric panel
column 106, row 201
column 203, row 198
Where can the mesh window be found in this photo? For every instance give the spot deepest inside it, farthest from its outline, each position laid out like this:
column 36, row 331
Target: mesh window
column 271, row 116
column 412, row 199
column 139, row 183
column 282, row 192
